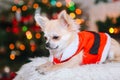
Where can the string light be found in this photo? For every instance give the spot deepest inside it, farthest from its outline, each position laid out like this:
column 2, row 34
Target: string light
column 29, row 35
column 72, row 15
column 12, row 56
column 37, row 35
column 80, row 21
column 58, row 4
column 24, row 8
column 71, row 3
column 116, row 31
column 35, row 5
column 11, row 46
column 24, row 28
column 111, row 30
column 45, row 1
column 33, row 48
column 72, row 8
column 22, row 47
column 14, row 8
column 78, row 11
column 53, row 2
column 7, row 69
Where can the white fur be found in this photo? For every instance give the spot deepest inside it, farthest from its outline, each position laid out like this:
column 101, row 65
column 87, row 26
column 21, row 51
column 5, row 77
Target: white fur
column 106, row 49
column 109, row 71
column 67, row 29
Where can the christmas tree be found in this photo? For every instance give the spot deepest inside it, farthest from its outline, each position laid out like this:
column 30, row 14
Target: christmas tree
column 21, row 38
column 111, row 26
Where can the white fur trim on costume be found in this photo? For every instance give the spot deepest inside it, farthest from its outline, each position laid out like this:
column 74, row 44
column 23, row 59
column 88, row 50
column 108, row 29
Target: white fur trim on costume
column 51, row 58
column 106, row 49
column 71, row 49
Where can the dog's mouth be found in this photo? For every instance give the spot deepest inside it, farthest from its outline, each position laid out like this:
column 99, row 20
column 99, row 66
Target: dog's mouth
column 51, row 48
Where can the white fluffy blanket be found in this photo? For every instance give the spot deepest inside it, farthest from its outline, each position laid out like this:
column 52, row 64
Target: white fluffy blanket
column 109, row 71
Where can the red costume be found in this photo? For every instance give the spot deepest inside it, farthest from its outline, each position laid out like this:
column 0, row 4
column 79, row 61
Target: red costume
column 94, row 45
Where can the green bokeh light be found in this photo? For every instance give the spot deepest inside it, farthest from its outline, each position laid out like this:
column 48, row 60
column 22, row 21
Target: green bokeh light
column 24, row 28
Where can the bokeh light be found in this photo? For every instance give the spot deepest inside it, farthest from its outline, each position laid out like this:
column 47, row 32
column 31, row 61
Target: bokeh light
column 111, row 30
column 24, row 8
column 116, row 31
column 35, row 5
column 33, row 48
column 78, row 11
column 11, row 46
column 45, row 1
column 29, row 35
column 53, row 2
column 12, row 56
column 37, row 35
column 72, row 15
column 24, row 28
column 14, row 8
column 59, row 4
column 80, row 21
column 6, row 69
column 22, row 47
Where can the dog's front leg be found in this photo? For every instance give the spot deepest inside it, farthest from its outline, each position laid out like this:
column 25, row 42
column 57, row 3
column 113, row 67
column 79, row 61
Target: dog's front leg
column 42, row 69
column 48, row 67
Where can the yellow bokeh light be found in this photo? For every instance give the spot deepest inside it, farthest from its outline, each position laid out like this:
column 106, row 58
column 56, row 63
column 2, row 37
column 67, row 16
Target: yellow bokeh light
column 58, row 4
column 111, row 30
column 29, row 35
column 11, row 46
column 79, row 21
column 72, row 15
column 12, row 56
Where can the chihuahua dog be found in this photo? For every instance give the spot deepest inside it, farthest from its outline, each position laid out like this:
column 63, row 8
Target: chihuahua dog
column 69, row 47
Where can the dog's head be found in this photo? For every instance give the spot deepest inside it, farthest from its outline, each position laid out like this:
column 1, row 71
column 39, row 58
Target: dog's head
column 59, row 32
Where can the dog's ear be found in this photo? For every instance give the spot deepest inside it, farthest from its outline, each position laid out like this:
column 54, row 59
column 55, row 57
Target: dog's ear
column 64, row 17
column 66, row 20
column 40, row 20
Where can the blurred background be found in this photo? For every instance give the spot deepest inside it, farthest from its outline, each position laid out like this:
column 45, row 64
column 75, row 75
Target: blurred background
column 21, row 38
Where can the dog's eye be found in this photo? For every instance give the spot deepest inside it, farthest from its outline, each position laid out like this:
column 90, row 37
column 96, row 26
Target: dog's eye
column 45, row 38
column 55, row 37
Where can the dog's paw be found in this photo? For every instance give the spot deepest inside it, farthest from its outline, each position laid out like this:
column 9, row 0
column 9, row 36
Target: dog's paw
column 41, row 70
column 44, row 68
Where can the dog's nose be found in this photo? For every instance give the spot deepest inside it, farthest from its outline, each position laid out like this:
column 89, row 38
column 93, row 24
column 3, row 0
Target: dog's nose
column 47, row 44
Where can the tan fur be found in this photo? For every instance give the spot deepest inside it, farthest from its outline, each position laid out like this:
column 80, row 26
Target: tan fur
column 66, row 29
